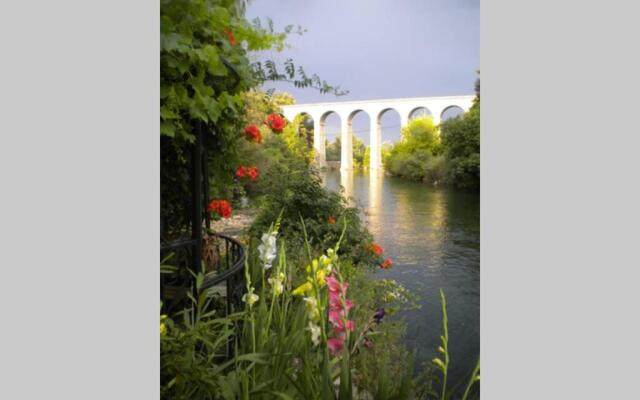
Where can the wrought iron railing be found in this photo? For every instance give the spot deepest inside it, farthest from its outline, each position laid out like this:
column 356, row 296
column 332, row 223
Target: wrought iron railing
column 228, row 270
column 195, row 247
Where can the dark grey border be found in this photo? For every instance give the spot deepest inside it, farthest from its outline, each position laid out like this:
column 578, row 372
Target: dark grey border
column 560, row 199
column 79, row 151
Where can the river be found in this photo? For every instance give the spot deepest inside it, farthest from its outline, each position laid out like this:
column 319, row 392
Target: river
column 433, row 237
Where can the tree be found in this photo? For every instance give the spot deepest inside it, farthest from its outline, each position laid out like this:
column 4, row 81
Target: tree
column 419, row 143
column 333, row 150
column 461, row 140
column 358, row 151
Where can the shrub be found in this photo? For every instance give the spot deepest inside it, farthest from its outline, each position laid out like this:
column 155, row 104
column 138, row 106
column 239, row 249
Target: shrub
column 410, row 157
column 461, row 139
column 435, row 169
column 290, row 186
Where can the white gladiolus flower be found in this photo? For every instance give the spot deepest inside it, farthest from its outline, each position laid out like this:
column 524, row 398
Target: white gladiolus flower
column 276, row 284
column 267, row 249
column 312, row 308
column 250, row 298
column 315, row 333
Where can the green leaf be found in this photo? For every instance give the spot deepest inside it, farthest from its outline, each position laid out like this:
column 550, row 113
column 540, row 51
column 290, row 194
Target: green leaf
column 167, row 129
column 282, row 395
column 174, row 41
column 215, row 66
column 167, row 269
column 166, row 113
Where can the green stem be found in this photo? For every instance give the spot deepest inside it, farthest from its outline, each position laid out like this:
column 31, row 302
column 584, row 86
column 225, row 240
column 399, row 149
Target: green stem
column 472, row 380
column 445, row 343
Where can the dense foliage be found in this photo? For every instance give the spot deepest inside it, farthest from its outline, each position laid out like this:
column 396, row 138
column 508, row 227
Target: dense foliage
column 290, row 184
column 461, row 139
column 204, row 72
column 333, row 149
column 418, row 154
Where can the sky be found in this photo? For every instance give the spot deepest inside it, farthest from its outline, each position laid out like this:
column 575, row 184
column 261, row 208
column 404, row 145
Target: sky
column 378, row 49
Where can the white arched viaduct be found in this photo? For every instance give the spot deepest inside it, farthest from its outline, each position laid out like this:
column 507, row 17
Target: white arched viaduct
column 346, row 110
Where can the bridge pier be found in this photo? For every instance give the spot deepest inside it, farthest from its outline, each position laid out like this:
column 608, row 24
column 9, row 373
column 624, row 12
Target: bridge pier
column 319, row 141
column 346, row 149
column 375, row 138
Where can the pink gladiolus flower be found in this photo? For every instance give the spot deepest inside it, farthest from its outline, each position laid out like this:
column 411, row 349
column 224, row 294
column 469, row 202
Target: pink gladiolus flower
column 335, row 345
column 335, row 317
column 339, row 326
column 333, row 284
column 351, row 325
column 334, row 299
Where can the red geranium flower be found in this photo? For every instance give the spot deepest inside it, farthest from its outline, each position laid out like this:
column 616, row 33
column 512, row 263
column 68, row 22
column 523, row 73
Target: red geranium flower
column 220, row 207
column 252, row 133
column 252, row 173
column 377, row 249
column 331, row 220
column 241, row 172
column 386, row 264
column 275, row 122
column 229, row 34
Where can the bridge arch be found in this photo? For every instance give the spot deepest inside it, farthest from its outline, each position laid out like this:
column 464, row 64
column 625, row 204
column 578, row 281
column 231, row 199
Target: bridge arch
column 330, row 117
column 420, row 111
column 451, row 111
column 394, row 120
column 359, row 127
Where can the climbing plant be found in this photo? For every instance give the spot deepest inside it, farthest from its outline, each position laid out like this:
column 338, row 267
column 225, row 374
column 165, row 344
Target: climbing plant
column 204, row 46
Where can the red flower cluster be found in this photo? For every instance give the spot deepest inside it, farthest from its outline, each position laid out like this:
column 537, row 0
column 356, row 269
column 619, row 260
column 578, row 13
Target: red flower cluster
column 331, row 220
column 379, row 251
column 275, row 122
column 252, row 133
column 376, row 249
column 229, row 34
column 339, row 307
column 220, row 207
column 247, row 172
column 253, row 173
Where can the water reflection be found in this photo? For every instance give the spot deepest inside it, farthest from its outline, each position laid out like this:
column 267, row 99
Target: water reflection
column 374, row 206
column 346, row 181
